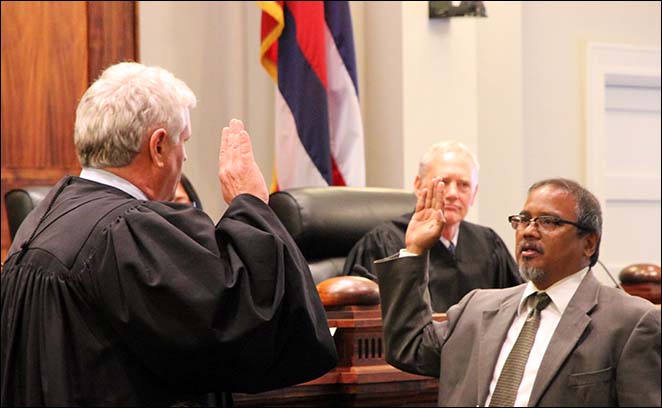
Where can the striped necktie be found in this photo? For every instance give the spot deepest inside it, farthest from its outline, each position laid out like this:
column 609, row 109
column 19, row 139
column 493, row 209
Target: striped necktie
column 451, row 248
column 508, row 383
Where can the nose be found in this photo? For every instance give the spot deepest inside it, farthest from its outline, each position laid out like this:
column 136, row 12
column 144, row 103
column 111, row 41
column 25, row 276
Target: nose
column 451, row 189
column 531, row 229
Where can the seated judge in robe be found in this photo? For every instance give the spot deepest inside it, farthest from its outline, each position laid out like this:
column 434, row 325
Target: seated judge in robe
column 562, row 339
column 114, row 295
column 467, row 255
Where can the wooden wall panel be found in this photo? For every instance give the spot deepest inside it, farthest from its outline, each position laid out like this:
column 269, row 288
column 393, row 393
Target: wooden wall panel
column 51, row 51
column 112, row 34
column 44, row 73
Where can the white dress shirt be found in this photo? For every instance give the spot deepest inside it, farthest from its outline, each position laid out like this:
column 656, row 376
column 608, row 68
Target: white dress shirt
column 561, row 292
column 453, row 239
column 113, row 180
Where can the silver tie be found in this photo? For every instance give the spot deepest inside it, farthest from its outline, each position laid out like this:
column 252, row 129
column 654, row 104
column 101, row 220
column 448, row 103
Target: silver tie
column 507, row 385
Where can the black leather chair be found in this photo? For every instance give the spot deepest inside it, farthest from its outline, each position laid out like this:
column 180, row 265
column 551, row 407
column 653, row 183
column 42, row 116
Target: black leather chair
column 326, row 222
column 20, row 202
column 190, row 191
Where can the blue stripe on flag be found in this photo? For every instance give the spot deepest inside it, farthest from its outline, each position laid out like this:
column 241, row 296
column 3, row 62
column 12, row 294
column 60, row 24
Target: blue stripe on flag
column 305, row 95
column 339, row 21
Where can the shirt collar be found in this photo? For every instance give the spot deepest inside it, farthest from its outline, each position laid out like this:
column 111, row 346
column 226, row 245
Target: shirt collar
column 561, row 292
column 113, row 180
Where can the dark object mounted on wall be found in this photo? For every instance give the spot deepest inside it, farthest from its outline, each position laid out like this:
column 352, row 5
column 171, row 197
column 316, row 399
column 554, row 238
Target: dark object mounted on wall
column 445, row 9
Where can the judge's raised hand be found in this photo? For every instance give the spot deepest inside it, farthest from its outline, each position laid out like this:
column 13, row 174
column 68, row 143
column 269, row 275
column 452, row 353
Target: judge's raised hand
column 428, row 220
column 237, row 170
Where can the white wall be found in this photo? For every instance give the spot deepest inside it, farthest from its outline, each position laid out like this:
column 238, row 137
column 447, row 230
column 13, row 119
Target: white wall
column 510, row 86
column 214, row 48
column 382, row 94
column 500, row 101
column 439, row 81
column 554, row 45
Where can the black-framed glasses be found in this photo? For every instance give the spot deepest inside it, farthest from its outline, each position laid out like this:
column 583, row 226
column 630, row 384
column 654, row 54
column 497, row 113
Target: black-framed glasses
column 544, row 222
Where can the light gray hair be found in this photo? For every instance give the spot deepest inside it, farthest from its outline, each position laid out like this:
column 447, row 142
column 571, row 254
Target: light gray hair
column 438, row 149
column 121, row 108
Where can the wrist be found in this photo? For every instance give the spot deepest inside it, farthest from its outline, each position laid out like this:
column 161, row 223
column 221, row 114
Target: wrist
column 413, row 250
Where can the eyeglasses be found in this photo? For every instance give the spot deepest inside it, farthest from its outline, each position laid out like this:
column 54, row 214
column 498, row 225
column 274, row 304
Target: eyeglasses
column 546, row 223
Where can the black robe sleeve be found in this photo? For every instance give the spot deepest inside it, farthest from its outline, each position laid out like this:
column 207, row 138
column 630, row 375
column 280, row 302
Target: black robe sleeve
column 229, row 308
column 382, row 241
column 482, row 260
column 506, row 269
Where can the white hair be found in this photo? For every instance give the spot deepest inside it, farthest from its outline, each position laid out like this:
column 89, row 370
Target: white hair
column 122, row 107
column 438, row 149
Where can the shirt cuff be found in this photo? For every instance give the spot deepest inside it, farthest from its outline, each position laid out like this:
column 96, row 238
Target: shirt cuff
column 403, row 253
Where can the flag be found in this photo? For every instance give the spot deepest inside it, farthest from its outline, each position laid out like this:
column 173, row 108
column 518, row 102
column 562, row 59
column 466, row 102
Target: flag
column 308, row 50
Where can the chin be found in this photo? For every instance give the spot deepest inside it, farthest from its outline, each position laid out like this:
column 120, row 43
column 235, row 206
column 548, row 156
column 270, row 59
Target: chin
column 453, row 219
column 530, row 273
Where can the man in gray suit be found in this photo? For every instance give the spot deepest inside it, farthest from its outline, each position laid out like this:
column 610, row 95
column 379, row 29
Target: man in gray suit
column 583, row 345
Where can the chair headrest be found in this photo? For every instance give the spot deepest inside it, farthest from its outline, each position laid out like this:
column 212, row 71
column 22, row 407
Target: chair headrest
column 326, row 222
column 20, row 202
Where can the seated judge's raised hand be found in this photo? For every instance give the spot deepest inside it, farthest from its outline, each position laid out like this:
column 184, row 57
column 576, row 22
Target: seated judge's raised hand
column 428, row 220
column 237, row 170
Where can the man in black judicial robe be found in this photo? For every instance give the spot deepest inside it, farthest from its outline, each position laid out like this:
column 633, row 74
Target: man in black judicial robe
column 468, row 256
column 481, row 260
column 110, row 297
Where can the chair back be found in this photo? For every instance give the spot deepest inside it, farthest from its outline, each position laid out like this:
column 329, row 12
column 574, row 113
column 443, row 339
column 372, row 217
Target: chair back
column 326, row 222
column 20, row 201
column 190, row 191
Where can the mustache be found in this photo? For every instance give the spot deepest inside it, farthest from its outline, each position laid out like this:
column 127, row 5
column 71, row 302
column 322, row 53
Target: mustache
column 527, row 245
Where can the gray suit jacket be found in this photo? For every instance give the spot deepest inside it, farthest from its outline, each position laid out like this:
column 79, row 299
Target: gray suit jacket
column 605, row 350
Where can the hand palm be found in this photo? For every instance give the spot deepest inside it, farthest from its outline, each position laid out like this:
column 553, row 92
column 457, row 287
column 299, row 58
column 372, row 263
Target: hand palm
column 238, row 171
column 428, row 221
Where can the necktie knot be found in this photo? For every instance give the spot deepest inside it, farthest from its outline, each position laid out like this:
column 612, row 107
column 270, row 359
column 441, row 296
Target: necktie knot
column 451, row 248
column 541, row 301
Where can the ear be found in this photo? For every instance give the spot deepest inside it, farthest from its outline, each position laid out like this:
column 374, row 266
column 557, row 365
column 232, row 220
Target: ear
column 157, row 146
column 590, row 244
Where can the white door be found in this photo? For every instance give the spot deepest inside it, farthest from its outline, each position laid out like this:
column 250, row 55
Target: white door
column 623, row 151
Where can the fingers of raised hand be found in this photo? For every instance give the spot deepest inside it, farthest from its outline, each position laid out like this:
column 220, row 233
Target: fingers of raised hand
column 440, row 200
column 438, row 188
column 429, row 196
column 420, row 199
column 236, row 125
column 225, row 132
column 245, row 146
column 435, row 194
column 229, row 150
column 236, row 140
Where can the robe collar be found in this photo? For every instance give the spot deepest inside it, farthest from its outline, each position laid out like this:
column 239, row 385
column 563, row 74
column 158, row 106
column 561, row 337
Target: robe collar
column 112, row 180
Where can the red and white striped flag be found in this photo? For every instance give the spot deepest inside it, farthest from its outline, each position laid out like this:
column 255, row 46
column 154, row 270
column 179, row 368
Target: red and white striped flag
column 308, row 49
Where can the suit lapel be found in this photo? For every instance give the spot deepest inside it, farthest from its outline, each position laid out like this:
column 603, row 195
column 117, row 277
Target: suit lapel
column 571, row 327
column 493, row 329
